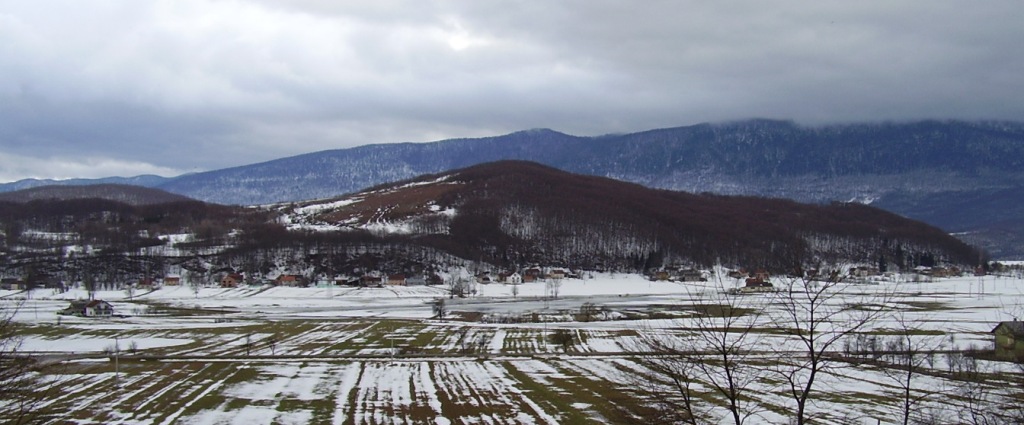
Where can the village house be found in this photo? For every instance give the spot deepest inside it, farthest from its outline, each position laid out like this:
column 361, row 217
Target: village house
column 371, row 280
column 12, row 284
column 292, row 280
column 435, row 279
column 691, row 275
column 397, row 279
column 514, row 279
column 46, row 281
column 757, row 282
column 940, row 272
column 231, row 280
column 415, row 280
column 146, row 283
column 556, row 274
column 326, row 282
column 661, row 275
column 87, row 308
column 484, row 278
column 761, row 275
column 1009, row 340
column 346, row 281
column 863, row 272
column 172, row 280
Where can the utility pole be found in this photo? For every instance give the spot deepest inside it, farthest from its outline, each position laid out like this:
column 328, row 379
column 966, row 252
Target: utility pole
column 117, row 363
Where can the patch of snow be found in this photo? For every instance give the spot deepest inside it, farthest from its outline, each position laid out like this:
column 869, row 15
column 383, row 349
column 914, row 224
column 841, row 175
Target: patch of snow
column 95, row 345
column 314, row 209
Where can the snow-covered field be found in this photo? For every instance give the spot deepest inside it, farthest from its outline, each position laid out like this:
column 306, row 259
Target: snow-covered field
column 374, row 355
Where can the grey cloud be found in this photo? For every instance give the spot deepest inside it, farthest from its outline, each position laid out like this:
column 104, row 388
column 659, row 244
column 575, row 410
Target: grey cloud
column 197, row 84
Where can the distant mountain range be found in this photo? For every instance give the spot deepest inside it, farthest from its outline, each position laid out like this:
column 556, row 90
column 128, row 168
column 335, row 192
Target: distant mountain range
column 965, row 177
column 147, row 180
column 123, row 193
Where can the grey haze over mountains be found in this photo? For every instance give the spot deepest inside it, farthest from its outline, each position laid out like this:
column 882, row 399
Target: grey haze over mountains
column 964, row 177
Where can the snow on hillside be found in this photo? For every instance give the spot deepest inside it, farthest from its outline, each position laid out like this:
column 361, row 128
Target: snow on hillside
column 310, row 215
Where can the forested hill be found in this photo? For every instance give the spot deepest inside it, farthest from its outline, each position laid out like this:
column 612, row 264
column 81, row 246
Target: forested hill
column 127, row 194
column 514, row 212
column 501, row 214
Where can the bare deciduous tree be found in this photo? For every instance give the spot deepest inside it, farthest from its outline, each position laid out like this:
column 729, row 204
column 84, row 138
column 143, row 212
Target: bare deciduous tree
column 563, row 338
column 908, row 353
column 440, row 309
column 248, row 343
column 817, row 315
column 22, row 389
column 553, row 286
column 90, row 284
column 129, row 290
column 974, row 398
column 714, row 351
column 588, row 312
column 272, row 343
column 458, row 287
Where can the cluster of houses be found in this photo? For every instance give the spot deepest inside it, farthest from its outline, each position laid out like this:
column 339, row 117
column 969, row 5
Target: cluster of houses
column 18, row 284
column 379, row 279
column 677, row 274
column 753, row 281
column 947, row 271
column 527, row 275
column 367, row 280
column 756, row 279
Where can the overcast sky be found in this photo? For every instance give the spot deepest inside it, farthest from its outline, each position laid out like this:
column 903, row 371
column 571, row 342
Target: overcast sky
column 126, row 87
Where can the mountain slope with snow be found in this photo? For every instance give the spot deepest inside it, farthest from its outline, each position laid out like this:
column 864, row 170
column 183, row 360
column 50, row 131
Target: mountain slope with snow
column 515, row 212
column 965, row 177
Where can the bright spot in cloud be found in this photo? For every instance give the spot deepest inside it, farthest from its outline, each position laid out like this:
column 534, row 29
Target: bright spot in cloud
column 459, row 38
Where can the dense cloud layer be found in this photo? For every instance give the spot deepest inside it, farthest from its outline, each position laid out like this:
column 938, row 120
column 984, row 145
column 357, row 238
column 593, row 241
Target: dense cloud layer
column 123, row 87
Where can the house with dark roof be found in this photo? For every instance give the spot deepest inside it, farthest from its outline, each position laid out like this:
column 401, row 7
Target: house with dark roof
column 88, row 308
column 1009, row 340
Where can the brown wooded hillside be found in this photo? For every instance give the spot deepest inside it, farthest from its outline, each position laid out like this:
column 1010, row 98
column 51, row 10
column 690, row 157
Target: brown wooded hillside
column 515, row 212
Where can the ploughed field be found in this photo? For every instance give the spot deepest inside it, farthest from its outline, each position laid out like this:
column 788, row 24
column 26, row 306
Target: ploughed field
column 378, row 356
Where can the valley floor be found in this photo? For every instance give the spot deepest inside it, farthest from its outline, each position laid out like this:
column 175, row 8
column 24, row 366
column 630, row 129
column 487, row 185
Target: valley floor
column 376, row 355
